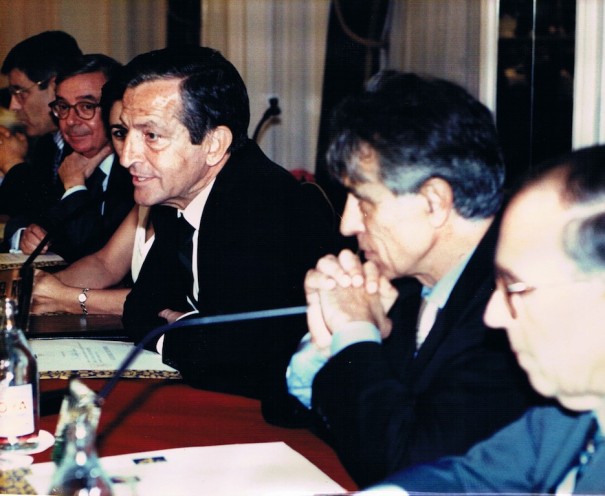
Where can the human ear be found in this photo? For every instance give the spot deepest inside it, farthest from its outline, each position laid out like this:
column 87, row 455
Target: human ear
column 218, row 142
column 440, row 200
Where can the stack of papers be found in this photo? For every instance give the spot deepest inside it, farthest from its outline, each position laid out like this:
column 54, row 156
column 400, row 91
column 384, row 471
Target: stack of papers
column 62, row 358
column 242, row 469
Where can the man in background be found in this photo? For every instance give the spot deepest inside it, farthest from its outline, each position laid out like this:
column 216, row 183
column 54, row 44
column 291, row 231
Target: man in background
column 32, row 67
column 421, row 160
column 550, row 266
column 96, row 191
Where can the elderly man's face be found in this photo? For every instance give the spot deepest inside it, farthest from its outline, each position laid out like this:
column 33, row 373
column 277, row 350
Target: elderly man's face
column 556, row 329
column 393, row 231
column 85, row 136
column 166, row 167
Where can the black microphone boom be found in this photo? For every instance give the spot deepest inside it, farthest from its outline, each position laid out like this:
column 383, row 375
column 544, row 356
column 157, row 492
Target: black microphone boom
column 199, row 321
column 26, row 275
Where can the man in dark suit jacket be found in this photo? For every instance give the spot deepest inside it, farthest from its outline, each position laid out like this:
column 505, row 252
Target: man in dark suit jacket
column 421, row 161
column 95, row 193
column 254, row 230
column 549, row 297
column 32, row 67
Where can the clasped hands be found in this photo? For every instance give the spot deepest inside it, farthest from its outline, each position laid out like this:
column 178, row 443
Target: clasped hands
column 341, row 289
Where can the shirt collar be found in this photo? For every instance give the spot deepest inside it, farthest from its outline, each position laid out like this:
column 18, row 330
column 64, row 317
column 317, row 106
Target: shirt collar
column 105, row 166
column 441, row 291
column 193, row 212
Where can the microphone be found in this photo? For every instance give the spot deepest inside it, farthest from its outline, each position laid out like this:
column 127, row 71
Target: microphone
column 272, row 112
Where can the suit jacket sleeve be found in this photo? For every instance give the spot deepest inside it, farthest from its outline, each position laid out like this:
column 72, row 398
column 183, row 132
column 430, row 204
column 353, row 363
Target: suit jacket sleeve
column 530, row 456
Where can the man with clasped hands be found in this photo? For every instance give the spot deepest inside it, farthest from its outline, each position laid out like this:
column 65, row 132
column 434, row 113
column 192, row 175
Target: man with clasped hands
column 392, row 381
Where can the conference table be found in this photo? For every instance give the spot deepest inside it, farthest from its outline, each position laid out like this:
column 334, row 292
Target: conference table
column 143, row 414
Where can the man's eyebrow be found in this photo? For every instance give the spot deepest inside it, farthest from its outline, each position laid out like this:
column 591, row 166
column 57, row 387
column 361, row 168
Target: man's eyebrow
column 81, row 97
column 501, row 272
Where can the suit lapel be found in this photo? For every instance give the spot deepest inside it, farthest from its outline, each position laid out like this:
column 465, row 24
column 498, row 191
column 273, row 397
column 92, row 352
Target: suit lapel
column 476, row 283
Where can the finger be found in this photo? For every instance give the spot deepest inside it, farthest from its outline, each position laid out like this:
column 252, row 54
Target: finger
column 388, row 293
column 351, row 264
column 330, row 266
column 316, row 281
column 38, row 231
column 383, row 323
column 372, row 277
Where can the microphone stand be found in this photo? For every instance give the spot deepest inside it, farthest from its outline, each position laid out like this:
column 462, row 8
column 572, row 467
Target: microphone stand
column 26, row 274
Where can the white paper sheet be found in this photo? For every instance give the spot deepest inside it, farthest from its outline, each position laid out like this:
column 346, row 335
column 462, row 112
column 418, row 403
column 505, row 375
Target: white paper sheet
column 240, row 469
column 91, row 354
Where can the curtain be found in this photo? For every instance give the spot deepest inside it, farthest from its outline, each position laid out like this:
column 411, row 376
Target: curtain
column 279, row 49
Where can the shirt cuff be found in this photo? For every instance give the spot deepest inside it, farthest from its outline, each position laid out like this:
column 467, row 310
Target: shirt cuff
column 304, row 366
column 386, row 490
column 352, row 333
column 73, row 189
column 159, row 346
column 16, row 240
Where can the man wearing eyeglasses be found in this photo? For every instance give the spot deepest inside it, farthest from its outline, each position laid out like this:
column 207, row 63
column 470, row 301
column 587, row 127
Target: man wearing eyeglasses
column 96, row 192
column 550, row 267
column 421, row 161
column 31, row 67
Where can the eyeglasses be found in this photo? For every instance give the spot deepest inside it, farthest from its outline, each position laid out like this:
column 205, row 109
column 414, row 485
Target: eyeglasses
column 84, row 110
column 20, row 93
column 521, row 288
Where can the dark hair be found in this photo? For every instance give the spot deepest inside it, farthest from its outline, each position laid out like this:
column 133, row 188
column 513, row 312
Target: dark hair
column 113, row 91
column 42, row 56
column 88, row 64
column 583, row 186
column 421, row 128
column 212, row 91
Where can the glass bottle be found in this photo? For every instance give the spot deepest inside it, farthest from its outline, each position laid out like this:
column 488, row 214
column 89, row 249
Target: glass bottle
column 19, row 384
column 80, row 473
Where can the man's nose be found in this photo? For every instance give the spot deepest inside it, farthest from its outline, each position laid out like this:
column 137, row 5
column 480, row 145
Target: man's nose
column 72, row 117
column 130, row 153
column 351, row 223
column 497, row 314
column 14, row 104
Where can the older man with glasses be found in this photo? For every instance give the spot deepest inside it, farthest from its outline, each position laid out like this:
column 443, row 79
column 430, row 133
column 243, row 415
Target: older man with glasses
column 30, row 172
column 550, row 265
column 97, row 192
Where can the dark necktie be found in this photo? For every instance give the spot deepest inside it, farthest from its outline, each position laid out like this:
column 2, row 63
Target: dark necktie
column 185, row 252
column 94, row 184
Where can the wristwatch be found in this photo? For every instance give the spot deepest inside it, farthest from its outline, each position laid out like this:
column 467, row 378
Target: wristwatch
column 82, row 297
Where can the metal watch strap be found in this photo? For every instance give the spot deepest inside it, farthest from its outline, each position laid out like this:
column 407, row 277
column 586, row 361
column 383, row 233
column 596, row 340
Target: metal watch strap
column 82, row 297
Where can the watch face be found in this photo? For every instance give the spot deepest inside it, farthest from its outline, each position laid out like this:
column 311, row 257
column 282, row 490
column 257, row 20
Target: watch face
column 82, row 297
